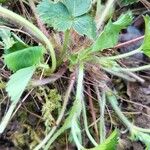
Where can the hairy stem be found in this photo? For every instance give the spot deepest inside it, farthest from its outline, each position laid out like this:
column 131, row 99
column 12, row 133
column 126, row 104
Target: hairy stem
column 145, row 67
column 109, row 5
column 76, row 132
column 75, row 112
column 123, row 55
column 86, row 125
column 102, row 103
column 66, row 41
column 113, row 101
column 119, row 74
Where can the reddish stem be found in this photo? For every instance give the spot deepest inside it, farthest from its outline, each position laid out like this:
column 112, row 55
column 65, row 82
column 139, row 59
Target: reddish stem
column 129, row 42
column 39, row 21
column 92, row 111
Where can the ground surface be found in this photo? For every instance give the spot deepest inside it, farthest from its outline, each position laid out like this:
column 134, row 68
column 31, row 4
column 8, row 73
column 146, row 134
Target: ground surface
column 27, row 125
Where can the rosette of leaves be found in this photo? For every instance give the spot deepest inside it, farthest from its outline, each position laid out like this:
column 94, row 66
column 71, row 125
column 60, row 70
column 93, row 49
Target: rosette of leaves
column 67, row 14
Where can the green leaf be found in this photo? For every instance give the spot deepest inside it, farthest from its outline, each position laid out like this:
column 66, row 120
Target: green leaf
column 146, row 43
column 124, row 20
column 16, row 47
column 73, row 59
column 85, row 25
column 77, row 7
column 110, row 143
column 109, row 36
column 55, row 15
column 23, row 58
column 11, row 42
column 18, row 82
column 5, row 36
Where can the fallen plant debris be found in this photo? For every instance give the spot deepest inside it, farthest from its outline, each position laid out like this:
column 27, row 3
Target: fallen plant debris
column 79, row 78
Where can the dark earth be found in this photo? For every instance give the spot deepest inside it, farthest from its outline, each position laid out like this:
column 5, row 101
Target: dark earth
column 134, row 96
